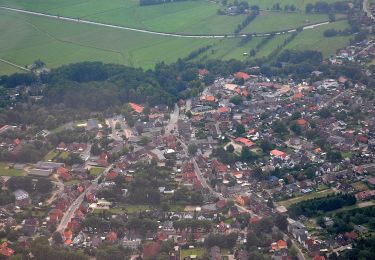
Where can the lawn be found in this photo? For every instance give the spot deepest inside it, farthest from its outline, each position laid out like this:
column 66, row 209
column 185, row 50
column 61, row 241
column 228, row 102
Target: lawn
column 359, row 186
column 5, row 170
column 312, row 195
column 199, row 251
column 96, row 171
column 51, row 155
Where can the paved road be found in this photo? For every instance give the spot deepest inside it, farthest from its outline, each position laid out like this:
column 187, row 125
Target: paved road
column 365, row 7
column 78, row 20
column 60, row 188
column 172, row 124
column 75, row 204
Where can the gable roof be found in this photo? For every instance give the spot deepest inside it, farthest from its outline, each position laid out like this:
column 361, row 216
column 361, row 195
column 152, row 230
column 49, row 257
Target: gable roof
column 137, row 108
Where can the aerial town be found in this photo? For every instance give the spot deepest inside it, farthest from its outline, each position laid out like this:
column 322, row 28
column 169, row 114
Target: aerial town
column 253, row 167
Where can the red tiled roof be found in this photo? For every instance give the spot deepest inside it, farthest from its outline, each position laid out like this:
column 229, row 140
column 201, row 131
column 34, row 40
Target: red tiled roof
column 242, row 75
column 137, row 108
column 244, row 141
column 278, row 153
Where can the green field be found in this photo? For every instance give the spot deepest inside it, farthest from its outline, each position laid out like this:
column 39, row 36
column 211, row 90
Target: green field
column 25, row 38
column 314, row 40
column 96, row 171
column 199, row 251
column 5, row 170
column 60, row 42
column 309, row 196
column 8, row 69
column 279, row 21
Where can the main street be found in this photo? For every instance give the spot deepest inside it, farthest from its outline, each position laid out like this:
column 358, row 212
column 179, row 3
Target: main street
column 77, row 202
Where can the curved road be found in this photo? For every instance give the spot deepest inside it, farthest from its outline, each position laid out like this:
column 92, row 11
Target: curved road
column 77, row 20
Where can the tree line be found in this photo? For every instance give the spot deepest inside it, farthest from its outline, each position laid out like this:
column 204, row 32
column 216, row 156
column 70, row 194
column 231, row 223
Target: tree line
column 312, row 207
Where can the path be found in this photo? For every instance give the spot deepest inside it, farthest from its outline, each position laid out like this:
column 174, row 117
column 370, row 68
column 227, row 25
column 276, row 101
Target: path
column 14, row 65
column 180, row 35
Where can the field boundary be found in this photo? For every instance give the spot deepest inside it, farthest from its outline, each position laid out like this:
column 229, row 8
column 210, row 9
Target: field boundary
column 180, row 35
column 14, row 65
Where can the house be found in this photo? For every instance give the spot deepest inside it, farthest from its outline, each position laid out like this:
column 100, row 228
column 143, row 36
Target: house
column 244, row 141
column 279, row 245
column 278, row 154
column 111, row 236
column 5, row 250
column 151, row 249
column 22, row 198
column 137, row 108
column 55, row 215
column 40, row 172
column 242, row 75
column 242, row 200
column 92, row 125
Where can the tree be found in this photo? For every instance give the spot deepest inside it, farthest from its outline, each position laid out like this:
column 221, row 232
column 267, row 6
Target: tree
column 192, row 149
column 57, row 238
column 189, row 114
column 43, row 186
column 240, row 129
column 247, row 155
column 230, row 148
column 281, row 222
column 237, row 100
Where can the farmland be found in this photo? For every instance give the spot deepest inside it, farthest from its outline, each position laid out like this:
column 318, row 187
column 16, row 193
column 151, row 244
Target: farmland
column 34, row 37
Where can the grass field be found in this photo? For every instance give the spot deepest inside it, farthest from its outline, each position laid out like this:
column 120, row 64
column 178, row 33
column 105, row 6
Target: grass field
column 8, row 69
column 278, row 21
column 96, row 171
column 312, row 195
column 51, row 155
column 199, row 251
column 314, row 40
column 5, row 170
column 59, row 42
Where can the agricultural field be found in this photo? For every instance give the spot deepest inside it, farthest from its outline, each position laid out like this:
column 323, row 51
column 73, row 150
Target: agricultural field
column 8, row 69
column 33, row 37
column 270, row 21
column 314, row 39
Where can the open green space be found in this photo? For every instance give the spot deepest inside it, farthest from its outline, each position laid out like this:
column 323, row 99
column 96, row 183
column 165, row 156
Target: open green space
column 25, row 38
column 314, row 39
column 60, row 42
column 51, row 155
column 199, row 251
column 7, row 170
column 309, row 196
column 96, row 171
column 7, row 69
column 278, row 21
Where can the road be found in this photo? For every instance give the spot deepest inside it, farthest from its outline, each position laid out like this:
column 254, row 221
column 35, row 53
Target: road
column 365, row 7
column 60, row 188
column 77, row 202
column 172, row 124
column 83, row 21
